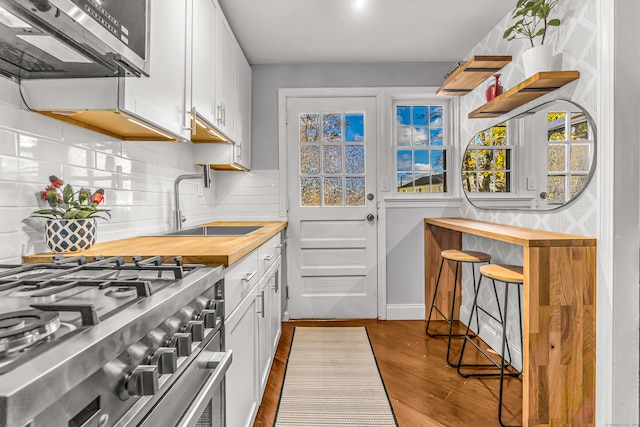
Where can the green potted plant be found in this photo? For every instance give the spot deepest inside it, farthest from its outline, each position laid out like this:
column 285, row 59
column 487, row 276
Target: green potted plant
column 532, row 19
column 71, row 216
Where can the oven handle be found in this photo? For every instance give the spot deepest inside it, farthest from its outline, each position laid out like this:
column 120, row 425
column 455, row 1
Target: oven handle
column 220, row 362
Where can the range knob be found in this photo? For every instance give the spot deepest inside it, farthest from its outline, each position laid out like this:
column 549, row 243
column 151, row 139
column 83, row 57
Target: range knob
column 143, row 381
column 166, row 359
column 182, row 342
column 187, row 313
column 196, row 329
column 201, row 303
column 210, row 318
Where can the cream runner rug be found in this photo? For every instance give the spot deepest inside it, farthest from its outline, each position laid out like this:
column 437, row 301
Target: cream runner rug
column 332, row 379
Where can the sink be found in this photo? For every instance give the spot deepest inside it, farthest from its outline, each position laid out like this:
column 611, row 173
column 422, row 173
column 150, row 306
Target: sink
column 217, row 230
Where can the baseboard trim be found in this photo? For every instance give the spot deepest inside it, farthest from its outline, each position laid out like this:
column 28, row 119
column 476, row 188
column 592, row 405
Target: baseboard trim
column 405, row 311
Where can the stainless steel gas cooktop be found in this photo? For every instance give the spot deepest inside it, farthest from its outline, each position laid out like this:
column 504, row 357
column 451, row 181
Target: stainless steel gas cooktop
column 72, row 325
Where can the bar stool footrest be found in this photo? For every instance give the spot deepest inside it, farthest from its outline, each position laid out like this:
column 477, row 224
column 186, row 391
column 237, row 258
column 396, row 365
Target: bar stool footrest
column 493, row 364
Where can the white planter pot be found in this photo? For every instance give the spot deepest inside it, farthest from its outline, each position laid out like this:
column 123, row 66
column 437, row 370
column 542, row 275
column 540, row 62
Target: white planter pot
column 536, row 59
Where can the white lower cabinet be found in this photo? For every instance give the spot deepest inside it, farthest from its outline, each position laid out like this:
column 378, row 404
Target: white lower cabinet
column 241, row 336
column 264, row 325
column 252, row 331
column 276, row 306
column 269, row 324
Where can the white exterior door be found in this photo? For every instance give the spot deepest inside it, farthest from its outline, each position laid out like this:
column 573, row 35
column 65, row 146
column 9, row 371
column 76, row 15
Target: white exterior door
column 331, row 152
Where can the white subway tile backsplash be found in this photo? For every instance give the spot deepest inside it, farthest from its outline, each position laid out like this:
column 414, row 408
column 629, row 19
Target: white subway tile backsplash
column 112, row 163
column 83, row 177
column 34, row 147
column 15, row 119
column 113, row 147
column 134, row 151
column 8, row 143
column 9, row 168
column 260, row 199
column 38, row 171
column 12, row 218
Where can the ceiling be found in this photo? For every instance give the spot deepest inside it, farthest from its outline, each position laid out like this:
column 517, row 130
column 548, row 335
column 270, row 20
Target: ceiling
column 361, row 31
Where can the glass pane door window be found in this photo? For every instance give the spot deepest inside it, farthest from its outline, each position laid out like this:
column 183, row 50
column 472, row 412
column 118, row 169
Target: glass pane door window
column 332, row 159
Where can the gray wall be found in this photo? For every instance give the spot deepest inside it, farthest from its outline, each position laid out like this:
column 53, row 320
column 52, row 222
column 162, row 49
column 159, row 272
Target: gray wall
column 267, row 79
column 405, row 254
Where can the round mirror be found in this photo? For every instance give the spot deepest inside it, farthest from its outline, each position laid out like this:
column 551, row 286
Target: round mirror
column 541, row 159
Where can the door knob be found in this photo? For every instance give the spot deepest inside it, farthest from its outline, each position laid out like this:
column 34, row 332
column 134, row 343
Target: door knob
column 370, row 217
column 370, row 196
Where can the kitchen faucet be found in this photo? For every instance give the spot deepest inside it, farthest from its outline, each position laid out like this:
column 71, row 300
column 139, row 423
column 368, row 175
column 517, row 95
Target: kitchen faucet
column 177, row 214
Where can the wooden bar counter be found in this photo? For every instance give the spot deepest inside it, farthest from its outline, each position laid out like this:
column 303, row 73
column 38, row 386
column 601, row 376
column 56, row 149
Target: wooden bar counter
column 559, row 314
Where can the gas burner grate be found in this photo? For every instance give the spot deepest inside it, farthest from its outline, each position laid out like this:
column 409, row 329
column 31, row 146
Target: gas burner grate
column 87, row 312
column 66, row 273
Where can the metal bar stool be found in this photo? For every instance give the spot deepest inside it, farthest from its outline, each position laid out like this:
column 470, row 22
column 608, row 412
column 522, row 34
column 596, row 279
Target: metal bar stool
column 457, row 256
column 510, row 275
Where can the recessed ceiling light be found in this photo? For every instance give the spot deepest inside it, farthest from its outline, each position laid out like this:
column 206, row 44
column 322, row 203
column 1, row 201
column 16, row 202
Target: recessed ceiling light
column 359, row 3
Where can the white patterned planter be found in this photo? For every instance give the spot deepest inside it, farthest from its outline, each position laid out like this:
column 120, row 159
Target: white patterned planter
column 70, row 235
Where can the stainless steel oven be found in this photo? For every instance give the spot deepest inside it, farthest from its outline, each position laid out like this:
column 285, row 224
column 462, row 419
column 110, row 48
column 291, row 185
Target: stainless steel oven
column 200, row 389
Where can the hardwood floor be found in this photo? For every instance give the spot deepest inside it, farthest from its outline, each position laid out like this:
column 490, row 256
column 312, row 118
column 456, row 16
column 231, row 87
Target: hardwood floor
column 422, row 388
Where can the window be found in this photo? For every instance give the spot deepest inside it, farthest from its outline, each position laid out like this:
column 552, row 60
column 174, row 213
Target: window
column 568, row 155
column 421, row 144
column 332, row 159
column 487, row 162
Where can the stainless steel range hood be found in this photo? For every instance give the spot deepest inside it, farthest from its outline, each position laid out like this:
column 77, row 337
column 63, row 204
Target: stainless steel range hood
column 73, row 38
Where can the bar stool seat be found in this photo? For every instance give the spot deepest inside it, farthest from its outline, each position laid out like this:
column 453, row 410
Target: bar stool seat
column 503, row 273
column 510, row 275
column 465, row 256
column 457, row 256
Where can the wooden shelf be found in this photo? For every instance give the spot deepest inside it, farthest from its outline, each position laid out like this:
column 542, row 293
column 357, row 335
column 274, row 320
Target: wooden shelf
column 469, row 75
column 530, row 89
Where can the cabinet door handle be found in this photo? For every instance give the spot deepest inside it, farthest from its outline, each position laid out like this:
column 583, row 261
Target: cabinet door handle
column 249, row 276
column 219, row 118
column 282, row 242
column 262, row 304
column 267, row 257
column 274, row 275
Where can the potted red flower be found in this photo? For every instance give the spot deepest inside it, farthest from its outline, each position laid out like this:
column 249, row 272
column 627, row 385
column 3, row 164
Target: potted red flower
column 71, row 215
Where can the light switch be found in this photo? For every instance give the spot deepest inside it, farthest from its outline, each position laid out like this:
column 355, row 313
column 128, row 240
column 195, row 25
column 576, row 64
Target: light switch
column 199, row 190
column 531, row 183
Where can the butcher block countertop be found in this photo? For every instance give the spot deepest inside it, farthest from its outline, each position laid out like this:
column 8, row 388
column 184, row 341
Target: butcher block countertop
column 527, row 237
column 208, row 250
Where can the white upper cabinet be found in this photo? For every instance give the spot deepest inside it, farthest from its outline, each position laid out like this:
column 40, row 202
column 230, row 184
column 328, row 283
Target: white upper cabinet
column 242, row 113
column 129, row 108
column 221, row 92
column 225, row 62
column 160, row 97
column 203, row 33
